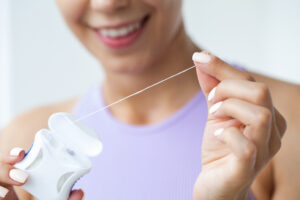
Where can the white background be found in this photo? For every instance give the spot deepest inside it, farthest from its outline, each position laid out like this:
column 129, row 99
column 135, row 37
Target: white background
column 41, row 61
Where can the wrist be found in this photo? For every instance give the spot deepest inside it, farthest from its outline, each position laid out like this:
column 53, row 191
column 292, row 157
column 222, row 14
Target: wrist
column 245, row 195
column 204, row 191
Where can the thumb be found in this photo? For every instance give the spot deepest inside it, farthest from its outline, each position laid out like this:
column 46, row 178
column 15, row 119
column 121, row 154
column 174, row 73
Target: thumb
column 206, row 81
column 76, row 195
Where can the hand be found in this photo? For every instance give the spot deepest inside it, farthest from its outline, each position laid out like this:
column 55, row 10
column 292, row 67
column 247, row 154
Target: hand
column 242, row 134
column 76, row 195
column 10, row 176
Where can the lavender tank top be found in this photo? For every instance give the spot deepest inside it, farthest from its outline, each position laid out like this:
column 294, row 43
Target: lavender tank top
column 152, row 162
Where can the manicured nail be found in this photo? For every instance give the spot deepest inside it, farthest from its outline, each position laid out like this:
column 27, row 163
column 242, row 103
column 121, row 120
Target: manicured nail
column 215, row 107
column 211, row 94
column 201, row 57
column 3, row 191
column 218, row 132
column 18, row 175
column 16, row 151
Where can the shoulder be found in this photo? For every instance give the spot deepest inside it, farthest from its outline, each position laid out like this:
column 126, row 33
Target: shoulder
column 285, row 165
column 20, row 131
column 285, row 95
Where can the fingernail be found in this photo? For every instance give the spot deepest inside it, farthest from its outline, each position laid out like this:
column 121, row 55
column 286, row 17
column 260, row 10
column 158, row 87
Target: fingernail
column 215, row 107
column 218, row 132
column 82, row 197
column 201, row 57
column 3, row 191
column 211, row 94
column 18, row 175
column 16, row 151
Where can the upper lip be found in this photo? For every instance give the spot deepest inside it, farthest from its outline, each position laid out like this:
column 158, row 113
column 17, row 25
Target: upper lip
column 120, row 24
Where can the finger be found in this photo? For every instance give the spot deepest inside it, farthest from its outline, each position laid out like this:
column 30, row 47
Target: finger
column 3, row 192
column 241, row 147
column 275, row 141
column 280, row 122
column 211, row 70
column 252, row 92
column 206, row 81
column 257, row 118
column 76, row 195
column 279, row 128
column 218, row 68
column 12, row 176
column 259, row 127
column 16, row 155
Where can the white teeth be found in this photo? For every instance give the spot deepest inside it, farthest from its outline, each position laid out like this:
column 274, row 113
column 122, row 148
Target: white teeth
column 120, row 32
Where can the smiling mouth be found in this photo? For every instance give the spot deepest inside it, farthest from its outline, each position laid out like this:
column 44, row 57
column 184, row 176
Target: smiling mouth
column 122, row 31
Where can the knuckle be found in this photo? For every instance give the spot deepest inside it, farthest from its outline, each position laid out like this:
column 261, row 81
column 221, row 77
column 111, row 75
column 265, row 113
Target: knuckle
column 263, row 116
column 214, row 59
column 261, row 93
column 249, row 151
column 248, row 77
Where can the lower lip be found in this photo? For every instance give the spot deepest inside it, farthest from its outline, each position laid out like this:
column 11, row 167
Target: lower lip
column 122, row 42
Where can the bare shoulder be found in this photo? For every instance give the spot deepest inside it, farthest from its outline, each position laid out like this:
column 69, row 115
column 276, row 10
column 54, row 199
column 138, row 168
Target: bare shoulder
column 286, row 98
column 285, row 165
column 20, row 131
column 285, row 94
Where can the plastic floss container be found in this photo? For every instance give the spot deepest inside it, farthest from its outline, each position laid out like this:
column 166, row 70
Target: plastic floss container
column 59, row 157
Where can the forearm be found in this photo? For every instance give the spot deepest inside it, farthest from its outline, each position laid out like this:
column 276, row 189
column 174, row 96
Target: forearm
column 211, row 194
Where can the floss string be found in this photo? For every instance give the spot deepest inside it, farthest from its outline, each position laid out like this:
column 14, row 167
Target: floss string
column 134, row 94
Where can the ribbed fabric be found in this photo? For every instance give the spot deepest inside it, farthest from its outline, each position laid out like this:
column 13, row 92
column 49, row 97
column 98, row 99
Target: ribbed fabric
column 153, row 162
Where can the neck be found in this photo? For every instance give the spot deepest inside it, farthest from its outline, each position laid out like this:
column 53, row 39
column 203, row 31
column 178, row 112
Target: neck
column 162, row 98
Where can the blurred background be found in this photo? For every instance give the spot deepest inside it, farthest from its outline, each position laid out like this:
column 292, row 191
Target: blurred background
column 42, row 62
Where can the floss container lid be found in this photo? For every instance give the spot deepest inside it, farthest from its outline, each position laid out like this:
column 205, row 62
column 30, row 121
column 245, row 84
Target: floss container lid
column 76, row 134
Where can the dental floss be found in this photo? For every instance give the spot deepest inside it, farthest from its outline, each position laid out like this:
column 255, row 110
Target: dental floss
column 134, row 94
column 60, row 156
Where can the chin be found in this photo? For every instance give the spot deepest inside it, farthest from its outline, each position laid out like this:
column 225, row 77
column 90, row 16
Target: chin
column 133, row 63
column 120, row 66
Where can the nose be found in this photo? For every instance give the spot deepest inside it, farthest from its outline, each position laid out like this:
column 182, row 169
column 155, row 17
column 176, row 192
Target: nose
column 108, row 5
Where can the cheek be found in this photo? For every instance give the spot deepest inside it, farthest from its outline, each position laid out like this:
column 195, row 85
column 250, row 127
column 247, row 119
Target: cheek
column 168, row 12
column 167, row 16
column 72, row 10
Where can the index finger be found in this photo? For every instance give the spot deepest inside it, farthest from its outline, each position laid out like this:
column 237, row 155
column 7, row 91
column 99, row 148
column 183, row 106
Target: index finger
column 215, row 67
column 16, row 155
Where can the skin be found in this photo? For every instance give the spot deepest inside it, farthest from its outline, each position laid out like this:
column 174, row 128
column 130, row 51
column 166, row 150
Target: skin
column 165, row 49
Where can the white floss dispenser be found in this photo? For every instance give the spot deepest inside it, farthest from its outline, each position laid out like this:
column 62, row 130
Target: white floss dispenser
column 59, row 157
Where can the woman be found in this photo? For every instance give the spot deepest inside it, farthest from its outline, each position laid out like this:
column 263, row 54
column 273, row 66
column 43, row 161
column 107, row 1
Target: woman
column 160, row 144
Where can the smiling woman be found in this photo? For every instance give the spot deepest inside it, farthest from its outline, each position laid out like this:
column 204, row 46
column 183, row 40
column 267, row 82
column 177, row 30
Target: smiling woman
column 214, row 133
column 122, row 35
column 97, row 26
